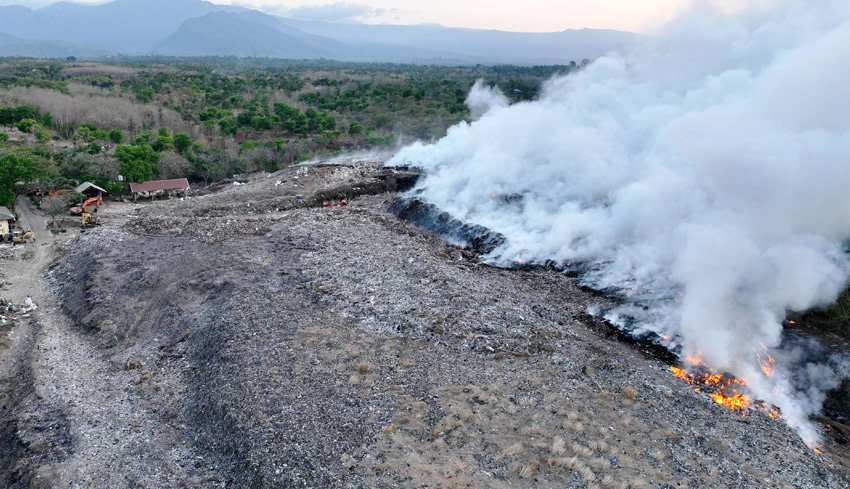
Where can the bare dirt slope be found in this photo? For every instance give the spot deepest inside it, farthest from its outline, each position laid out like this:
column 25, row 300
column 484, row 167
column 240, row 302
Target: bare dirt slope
column 248, row 337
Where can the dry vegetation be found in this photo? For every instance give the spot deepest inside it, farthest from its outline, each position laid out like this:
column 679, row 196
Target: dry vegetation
column 88, row 105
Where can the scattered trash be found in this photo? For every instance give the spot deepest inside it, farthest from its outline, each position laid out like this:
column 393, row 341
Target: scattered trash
column 336, row 204
column 278, row 183
column 28, row 306
column 9, row 312
column 238, row 184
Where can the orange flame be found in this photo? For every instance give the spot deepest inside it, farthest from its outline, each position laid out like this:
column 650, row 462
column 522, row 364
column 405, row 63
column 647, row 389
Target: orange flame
column 722, row 389
column 738, row 402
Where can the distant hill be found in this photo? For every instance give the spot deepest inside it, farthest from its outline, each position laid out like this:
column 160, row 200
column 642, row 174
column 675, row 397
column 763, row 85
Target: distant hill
column 198, row 28
column 14, row 46
column 130, row 26
column 477, row 45
column 245, row 34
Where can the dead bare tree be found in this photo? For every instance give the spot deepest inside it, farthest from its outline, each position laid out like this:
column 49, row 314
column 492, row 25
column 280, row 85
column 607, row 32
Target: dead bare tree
column 54, row 206
column 172, row 165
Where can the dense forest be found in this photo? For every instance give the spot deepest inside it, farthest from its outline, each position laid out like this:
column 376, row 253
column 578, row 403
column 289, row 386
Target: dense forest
column 67, row 121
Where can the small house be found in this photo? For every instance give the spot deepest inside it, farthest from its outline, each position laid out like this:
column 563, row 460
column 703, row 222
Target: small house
column 6, row 220
column 156, row 188
column 90, row 190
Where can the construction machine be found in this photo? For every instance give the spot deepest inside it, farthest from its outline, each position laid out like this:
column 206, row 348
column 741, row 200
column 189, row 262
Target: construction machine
column 61, row 191
column 89, row 220
column 82, row 209
column 20, row 237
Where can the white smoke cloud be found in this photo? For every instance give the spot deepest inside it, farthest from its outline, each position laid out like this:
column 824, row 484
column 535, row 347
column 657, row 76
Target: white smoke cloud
column 706, row 175
column 482, row 99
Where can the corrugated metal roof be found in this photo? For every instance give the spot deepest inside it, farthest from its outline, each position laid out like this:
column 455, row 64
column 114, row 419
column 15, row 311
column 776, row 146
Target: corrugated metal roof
column 175, row 184
column 6, row 214
column 87, row 185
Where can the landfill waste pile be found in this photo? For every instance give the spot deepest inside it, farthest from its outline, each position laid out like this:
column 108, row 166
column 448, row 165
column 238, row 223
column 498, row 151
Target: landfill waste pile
column 261, row 336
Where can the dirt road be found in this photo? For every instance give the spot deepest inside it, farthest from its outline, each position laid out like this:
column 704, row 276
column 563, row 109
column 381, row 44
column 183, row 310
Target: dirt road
column 30, row 219
column 27, row 273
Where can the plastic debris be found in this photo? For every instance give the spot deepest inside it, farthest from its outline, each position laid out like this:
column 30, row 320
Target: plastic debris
column 336, row 204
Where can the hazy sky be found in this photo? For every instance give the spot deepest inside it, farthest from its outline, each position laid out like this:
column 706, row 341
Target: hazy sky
column 515, row 15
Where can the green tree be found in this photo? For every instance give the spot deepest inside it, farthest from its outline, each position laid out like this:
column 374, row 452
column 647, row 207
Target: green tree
column 26, row 125
column 138, row 163
column 7, row 116
column 25, row 112
column 116, row 136
column 43, row 135
column 260, row 122
column 15, row 174
column 145, row 95
column 182, row 142
column 4, row 138
column 285, row 111
column 163, row 143
column 248, row 145
column 143, row 138
column 329, row 123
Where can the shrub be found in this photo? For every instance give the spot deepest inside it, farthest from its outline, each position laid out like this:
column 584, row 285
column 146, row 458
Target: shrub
column 116, row 136
column 26, row 125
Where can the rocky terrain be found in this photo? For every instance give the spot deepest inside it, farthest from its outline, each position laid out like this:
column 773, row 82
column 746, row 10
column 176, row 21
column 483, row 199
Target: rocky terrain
column 248, row 336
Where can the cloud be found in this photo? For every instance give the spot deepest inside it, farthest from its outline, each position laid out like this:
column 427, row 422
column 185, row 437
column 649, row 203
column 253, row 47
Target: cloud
column 334, row 12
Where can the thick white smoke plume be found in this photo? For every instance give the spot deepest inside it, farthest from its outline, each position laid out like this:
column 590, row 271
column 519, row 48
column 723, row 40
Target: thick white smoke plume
column 706, row 176
column 482, row 99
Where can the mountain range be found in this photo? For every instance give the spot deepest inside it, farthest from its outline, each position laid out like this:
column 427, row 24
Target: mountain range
column 201, row 28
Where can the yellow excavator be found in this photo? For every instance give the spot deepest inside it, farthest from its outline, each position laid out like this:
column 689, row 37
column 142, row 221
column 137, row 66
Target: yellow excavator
column 20, row 237
column 88, row 220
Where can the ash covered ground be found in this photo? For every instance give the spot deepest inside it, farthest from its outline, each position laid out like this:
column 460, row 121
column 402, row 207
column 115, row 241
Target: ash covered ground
column 249, row 337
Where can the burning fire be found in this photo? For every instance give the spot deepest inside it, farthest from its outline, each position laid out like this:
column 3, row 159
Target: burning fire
column 728, row 391
column 724, row 389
